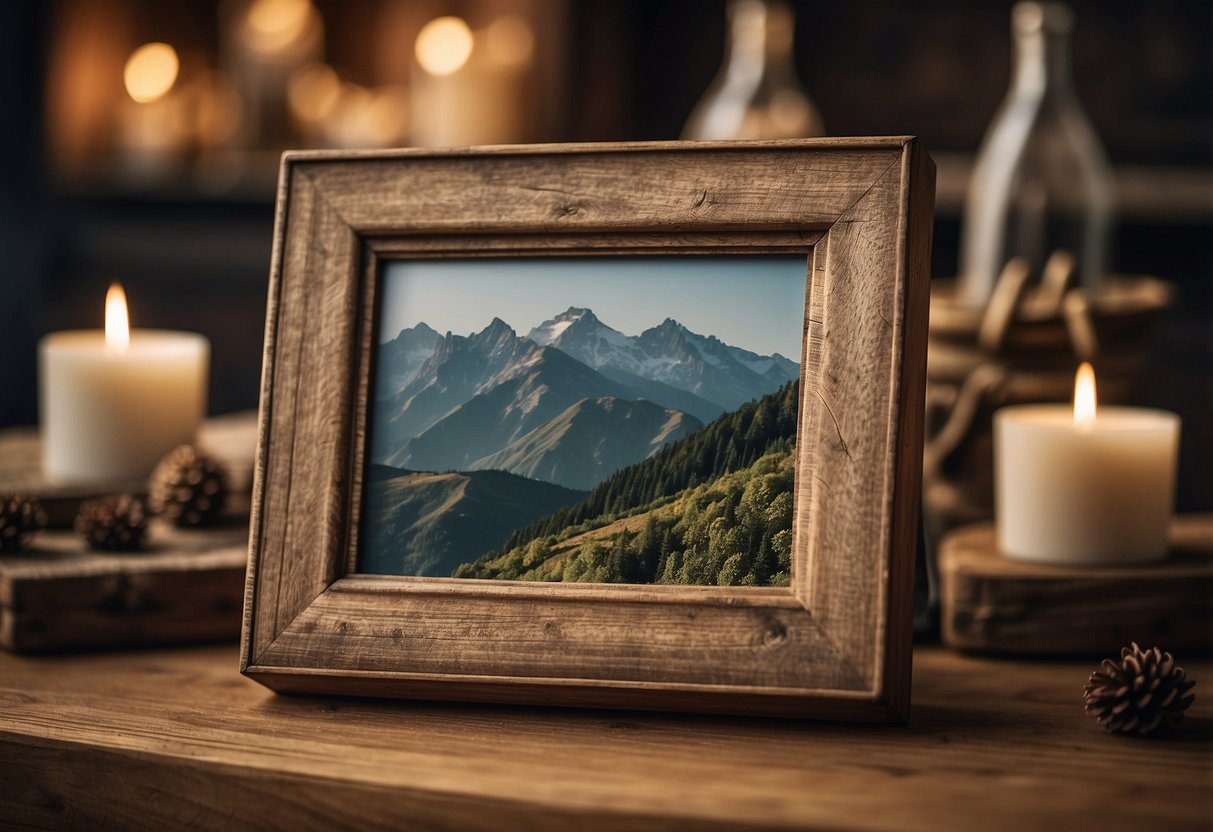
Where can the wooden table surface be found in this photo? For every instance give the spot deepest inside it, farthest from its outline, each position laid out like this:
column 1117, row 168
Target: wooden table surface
column 177, row 739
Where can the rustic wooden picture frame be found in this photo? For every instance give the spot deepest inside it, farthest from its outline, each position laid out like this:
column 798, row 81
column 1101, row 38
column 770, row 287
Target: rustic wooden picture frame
column 835, row 644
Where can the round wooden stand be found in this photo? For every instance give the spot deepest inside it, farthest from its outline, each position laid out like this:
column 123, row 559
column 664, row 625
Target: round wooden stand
column 991, row 603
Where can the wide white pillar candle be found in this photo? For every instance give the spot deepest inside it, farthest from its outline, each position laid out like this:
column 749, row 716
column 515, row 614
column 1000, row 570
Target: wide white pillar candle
column 1097, row 489
column 110, row 412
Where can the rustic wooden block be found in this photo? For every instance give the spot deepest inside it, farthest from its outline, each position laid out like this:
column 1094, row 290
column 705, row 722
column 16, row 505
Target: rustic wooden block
column 229, row 438
column 991, row 603
column 188, row 586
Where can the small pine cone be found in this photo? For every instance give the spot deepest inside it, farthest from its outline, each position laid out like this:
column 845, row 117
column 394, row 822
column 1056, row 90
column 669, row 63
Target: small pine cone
column 1139, row 694
column 20, row 517
column 112, row 524
column 188, row 487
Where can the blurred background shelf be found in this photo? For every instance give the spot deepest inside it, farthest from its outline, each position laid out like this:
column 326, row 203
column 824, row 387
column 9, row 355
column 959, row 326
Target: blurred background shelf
column 192, row 246
column 1146, row 194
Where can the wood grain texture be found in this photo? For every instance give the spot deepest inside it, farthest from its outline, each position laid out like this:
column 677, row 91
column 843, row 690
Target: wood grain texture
column 307, row 449
column 152, row 741
column 991, row 603
column 710, row 639
column 858, row 468
column 640, row 187
column 837, row 642
column 257, row 627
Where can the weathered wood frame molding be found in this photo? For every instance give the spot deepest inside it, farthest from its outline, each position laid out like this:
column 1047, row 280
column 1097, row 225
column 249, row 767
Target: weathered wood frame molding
column 835, row 644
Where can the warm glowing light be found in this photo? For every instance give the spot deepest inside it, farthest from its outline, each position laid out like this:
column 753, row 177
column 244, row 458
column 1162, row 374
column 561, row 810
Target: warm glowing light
column 509, row 40
column 275, row 25
column 117, row 324
column 386, row 116
column 1084, row 397
column 365, row 118
column 151, row 71
column 218, row 114
column 443, row 45
column 314, row 92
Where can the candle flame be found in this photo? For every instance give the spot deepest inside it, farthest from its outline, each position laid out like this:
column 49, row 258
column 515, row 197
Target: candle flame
column 117, row 324
column 443, row 45
column 151, row 71
column 1084, row 397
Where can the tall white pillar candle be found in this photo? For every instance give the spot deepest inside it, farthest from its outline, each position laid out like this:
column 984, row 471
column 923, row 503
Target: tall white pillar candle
column 1081, row 486
column 110, row 411
column 469, row 87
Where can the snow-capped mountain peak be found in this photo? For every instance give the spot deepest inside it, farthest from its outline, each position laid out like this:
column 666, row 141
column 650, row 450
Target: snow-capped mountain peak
column 553, row 329
column 668, row 353
column 579, row 333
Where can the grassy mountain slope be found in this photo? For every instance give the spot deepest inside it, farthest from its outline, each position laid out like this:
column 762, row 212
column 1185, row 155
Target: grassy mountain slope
column 429, row 523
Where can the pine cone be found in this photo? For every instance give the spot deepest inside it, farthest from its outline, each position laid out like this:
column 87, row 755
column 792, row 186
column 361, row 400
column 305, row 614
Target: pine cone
column 20, row 517
column 188, row 487
column 1139, row 694
column 112, row 524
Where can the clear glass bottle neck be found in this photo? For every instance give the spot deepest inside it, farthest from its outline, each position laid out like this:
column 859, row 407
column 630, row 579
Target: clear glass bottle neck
column 1042, row 64
column 759, row 42
column 757, row 93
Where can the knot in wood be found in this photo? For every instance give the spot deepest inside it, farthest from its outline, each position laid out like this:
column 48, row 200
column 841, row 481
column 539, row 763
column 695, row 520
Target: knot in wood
column 774, row 634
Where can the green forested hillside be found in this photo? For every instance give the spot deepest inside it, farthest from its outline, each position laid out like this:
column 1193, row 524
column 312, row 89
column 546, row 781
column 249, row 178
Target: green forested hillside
column 736, row 529
column 730, row 443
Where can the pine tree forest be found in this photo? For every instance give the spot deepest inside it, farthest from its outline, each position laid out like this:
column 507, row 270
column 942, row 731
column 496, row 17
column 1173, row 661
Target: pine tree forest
column 715, row 508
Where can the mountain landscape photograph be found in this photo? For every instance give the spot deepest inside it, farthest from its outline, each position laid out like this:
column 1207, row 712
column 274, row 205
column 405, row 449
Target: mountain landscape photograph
column 607, row 420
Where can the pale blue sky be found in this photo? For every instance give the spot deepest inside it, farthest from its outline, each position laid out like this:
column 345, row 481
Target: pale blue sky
column 754, row 302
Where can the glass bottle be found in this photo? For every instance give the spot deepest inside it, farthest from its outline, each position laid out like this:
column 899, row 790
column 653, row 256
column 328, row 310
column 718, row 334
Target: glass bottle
column 1041, row 181
column 756, row 94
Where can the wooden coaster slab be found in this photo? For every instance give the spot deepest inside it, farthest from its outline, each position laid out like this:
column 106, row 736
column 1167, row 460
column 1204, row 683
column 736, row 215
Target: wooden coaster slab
column 991, row 603
column 188, row 586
